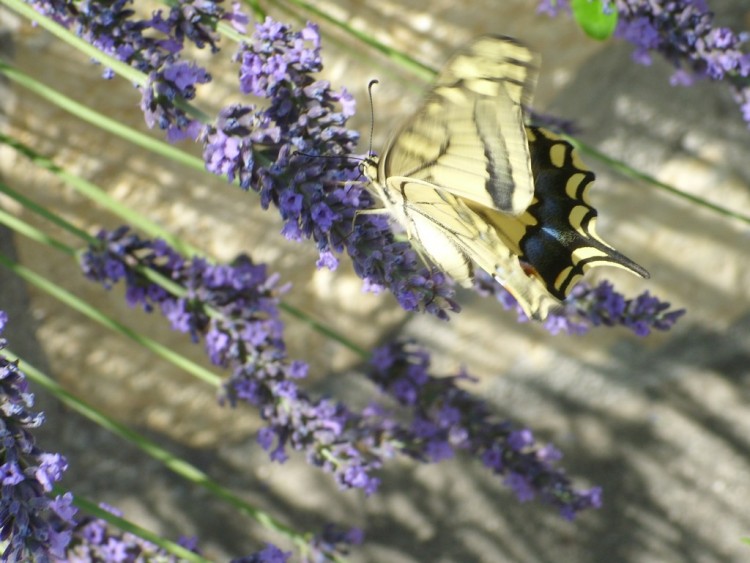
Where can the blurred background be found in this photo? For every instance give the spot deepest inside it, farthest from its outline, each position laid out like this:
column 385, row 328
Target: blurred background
column 662, row 422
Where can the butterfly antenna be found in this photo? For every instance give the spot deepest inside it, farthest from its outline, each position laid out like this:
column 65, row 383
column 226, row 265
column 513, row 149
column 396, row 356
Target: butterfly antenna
column 372, row 115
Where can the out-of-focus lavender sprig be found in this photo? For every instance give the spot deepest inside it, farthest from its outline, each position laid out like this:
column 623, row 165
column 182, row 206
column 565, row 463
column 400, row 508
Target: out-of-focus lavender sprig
column 323, row 545
column 95, row 540
column 269, row 554
column 35, row 526
column 553, row 7
column 296, row 153
column 446, row 418
column 683, row 31
column 334, row 539
column 587, row 307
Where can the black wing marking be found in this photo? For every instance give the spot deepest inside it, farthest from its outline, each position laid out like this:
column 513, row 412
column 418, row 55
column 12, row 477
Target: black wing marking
column 557, row 235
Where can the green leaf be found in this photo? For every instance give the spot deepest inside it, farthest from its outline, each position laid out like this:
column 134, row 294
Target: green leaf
column 597, row 18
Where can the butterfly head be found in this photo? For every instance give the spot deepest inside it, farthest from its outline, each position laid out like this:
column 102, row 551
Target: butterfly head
column 369, row 168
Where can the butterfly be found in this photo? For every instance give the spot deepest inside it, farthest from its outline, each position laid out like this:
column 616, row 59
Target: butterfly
column 473, row 185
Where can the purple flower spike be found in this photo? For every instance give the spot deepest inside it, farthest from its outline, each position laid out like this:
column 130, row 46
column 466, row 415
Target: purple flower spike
column 587, row 307
column 245, row 335
column 447, row 419
column 269, row 554
column 682, row 31
column 95, row 540
column 35, row 526
column 602, row 305
column 152, row 46
column 296, row 153
column 159, row 95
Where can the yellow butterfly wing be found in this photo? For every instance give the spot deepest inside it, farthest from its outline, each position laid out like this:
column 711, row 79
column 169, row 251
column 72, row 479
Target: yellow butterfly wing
column 454, row 237
column 471, row 184
column 469, row 138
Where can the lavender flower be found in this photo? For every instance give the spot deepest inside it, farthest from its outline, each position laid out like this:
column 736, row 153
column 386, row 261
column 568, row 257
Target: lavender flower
column 683, row 32
column 35, row 526
column 587, row 307
column 159, row 95
column 243, row 292
column 244, row 335
column 602, row 305
column 334, row 540
column 147, row 44
column 447, row 418
column 152, row 46
column 269, row 554
column 94, row 540
column 295, row 154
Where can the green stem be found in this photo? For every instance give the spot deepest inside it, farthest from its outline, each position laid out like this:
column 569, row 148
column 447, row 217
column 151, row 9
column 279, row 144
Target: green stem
column 411, row 64
column 91, row 312
column 626, row 170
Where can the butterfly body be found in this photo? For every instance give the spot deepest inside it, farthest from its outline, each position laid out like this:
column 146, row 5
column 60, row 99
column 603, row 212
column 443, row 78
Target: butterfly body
column 471, row 184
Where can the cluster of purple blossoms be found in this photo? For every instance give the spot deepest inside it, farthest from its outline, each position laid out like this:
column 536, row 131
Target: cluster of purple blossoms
column 683, row 32
column 331, row 540
column 94, row 540
column 152, row 46
column 445, row 418
column 296, row 153
column 233, row 308
column 144, row 44
column 269, row 554
column 601, row 305
column 335, row 539
column 591, row 306
column 245, row 297
column 37, row 527
column 162, row 91
column 33, row 524
column 553, row 7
